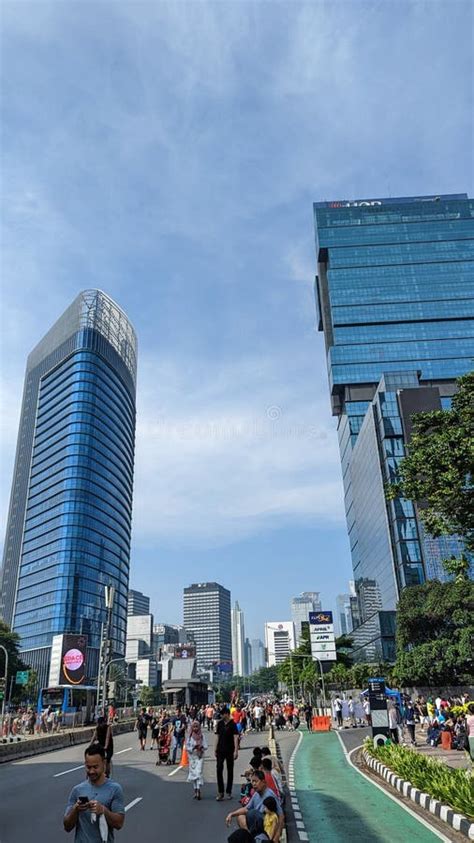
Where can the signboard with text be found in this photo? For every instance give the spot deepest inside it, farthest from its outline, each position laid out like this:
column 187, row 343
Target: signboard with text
column 322, row 637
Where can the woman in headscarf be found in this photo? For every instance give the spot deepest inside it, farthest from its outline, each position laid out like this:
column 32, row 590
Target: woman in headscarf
column 196, row 745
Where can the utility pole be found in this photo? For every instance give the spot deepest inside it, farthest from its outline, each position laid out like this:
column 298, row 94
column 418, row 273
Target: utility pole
column 105, row 646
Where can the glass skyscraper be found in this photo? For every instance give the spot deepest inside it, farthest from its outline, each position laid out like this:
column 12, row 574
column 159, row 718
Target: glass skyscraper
column 395, row 299
column 69, row 522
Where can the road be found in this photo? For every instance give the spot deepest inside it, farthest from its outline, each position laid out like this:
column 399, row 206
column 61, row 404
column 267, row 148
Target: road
column 34, row 793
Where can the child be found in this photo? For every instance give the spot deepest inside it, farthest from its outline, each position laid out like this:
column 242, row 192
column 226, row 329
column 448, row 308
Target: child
column 270, row 817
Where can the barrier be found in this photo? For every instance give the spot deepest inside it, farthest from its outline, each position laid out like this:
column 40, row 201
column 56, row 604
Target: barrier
column 321, row 724
column 49, row 743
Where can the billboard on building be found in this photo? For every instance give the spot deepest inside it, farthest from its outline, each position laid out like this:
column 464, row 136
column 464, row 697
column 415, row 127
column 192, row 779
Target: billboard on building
column 185, row 651
column 68, row 660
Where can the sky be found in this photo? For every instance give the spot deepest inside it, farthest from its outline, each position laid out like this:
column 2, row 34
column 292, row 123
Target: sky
column 169, row 154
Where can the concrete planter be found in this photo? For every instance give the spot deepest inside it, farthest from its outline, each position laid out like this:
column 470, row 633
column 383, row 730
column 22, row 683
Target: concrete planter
column 457, row 821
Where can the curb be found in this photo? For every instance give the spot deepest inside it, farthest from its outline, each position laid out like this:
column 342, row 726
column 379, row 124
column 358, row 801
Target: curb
column 448, row 815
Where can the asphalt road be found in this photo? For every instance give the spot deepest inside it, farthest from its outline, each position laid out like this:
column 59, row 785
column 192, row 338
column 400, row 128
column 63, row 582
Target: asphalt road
column 34, row 793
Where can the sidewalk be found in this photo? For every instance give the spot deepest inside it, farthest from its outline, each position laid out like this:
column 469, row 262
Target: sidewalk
column 452, row 757
column 339, row 804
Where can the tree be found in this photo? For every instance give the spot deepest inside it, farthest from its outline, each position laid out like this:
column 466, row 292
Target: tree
column 435, row 630
column 148, row 696
column 30, row 690
column 438, row 470
column 11, row 641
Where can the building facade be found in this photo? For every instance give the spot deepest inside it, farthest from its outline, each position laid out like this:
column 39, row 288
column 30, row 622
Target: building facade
column 138, row 603
column 279, row 641
column 257, row 655
column 395, row 299
column 238, row 640
column 69, row 521
column 343, row 612
column 301, row 606
column 207, row 616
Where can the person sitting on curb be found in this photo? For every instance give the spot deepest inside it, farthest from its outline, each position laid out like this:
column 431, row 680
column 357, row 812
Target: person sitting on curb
column 250, row 817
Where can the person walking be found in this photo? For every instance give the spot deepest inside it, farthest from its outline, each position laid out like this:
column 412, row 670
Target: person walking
column 179, row 732
column 338, row 711
column 141, row 726
column 410, row 721
column 226, row 751
column 308, row 714
column 103, row 736
column 196, row 744
column 95, row 806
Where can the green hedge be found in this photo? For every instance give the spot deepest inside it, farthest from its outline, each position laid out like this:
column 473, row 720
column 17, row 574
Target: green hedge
column 452, row 787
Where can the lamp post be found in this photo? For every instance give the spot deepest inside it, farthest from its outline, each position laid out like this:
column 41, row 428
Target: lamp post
column 311, row 658
column 105, row 644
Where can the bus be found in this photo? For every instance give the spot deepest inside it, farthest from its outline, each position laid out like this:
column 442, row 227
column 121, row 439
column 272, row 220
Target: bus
column 59, row 699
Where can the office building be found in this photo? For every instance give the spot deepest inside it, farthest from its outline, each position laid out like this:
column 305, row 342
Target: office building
column 301, row 606
column 138, row 603
column 279, row 641
column 343, row 617
column 248, row 670
column 257, row 653
column 69, row 522
column 238, row 640
column 395, row 300
column 207, row 616
column 140, row 637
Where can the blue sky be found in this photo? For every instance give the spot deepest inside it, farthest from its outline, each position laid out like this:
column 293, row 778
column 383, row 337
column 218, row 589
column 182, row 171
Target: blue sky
column 169, row 154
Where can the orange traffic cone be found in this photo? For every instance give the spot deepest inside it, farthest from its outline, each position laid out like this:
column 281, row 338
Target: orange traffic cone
column 184, row 757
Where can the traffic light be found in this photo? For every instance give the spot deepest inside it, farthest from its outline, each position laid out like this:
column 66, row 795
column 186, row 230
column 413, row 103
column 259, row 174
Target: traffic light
column 3, row 683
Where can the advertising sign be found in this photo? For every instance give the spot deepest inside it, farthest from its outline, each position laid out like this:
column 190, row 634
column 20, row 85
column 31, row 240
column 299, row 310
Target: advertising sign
column 322, row 638
column 73, row 660
column 186, row 651
column 320, row 618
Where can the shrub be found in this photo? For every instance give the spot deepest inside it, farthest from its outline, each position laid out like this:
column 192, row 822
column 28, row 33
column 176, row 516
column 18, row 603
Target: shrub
column 452, row 787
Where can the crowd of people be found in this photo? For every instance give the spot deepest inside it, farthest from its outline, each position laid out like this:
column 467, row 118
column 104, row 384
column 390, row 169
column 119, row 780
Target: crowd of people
column 441, row 719
column 185, row 731
column 27, row 722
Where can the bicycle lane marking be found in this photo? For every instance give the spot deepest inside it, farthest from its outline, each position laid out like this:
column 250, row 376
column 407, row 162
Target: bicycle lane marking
column 330, row 796
column 390, row 795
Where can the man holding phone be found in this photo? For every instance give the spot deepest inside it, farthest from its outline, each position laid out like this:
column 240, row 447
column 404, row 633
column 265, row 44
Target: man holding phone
column 95, row 806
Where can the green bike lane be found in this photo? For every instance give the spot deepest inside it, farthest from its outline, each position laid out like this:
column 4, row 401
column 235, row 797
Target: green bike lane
column 339, row 803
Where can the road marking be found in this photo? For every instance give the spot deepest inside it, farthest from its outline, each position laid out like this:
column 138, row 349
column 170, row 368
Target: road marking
column 72, row 770
column 124, row 750
column 416, row 816
column 173, row 772
column 132, row 803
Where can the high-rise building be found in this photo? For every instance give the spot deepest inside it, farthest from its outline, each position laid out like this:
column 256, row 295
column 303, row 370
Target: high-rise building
column 279, row 641
column 395, row 300
column 258, row 659
column 301, row 606
column 69, row 522
column 138, row 603
column 247, row 658
column 238, row 640
column 207, row 617
column 343, row 614
column 140, row 639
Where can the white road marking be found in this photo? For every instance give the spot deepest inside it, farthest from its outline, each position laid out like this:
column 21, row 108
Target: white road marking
column 123, row 750
column 173, row 772
column 72, row 770
column 132, row 803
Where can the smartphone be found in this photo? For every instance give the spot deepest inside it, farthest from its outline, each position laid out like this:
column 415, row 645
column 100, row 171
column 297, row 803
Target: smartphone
column 84, row 799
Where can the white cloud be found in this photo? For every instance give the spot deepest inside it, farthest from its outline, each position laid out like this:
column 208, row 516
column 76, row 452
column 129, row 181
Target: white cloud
column 213, row 467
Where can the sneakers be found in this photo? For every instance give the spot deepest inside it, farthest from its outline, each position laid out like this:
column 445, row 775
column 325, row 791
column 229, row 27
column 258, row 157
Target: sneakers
column 220, row 797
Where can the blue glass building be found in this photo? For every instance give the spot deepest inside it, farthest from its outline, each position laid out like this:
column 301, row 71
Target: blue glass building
column 69, row 522
column 395, row 299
